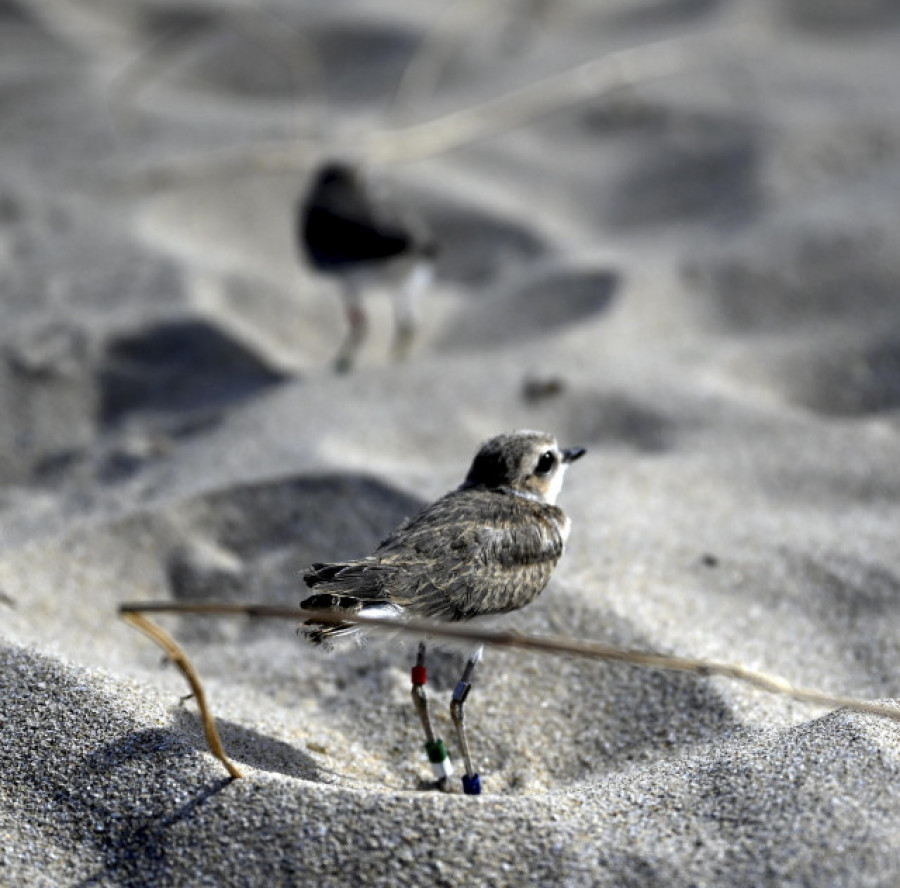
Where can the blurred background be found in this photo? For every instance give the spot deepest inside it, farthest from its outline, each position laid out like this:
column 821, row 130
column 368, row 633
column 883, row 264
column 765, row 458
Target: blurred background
column 156, row 157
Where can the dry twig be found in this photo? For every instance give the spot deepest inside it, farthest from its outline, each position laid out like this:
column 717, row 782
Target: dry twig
column 773, row 684
column 181, row 660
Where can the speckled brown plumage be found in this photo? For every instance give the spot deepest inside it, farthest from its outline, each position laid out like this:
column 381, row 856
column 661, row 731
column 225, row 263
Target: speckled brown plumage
column 487, row 547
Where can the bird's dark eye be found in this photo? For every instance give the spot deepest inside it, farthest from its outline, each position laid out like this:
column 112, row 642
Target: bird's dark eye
column 545, row 463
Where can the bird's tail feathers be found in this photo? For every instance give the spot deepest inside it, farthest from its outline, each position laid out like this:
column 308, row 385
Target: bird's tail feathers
column 321, row 573
column 327, row 633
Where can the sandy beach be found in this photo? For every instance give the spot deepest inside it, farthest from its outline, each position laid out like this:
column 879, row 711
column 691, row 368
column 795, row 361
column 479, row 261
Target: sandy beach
column 669, row 232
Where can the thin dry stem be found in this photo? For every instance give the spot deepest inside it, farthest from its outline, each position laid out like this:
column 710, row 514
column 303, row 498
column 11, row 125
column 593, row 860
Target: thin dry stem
column 180, row 659
column 442, row 40
column 654, row 61
column 772, row 684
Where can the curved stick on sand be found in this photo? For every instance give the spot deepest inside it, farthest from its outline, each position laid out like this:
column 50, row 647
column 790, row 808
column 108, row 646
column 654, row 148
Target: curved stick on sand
column 181, row 660
column 772, row 684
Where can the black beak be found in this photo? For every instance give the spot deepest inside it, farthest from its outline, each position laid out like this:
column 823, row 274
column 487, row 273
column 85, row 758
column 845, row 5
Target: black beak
column 570, row 454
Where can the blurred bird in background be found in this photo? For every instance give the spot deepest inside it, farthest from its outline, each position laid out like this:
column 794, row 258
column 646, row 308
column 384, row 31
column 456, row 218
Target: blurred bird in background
column 345, row 230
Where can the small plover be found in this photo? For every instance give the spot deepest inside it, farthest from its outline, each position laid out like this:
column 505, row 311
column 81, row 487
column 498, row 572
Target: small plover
column 345, row 231
column 487, row 547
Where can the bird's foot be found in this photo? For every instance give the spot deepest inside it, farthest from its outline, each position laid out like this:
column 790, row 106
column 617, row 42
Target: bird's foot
column 442, row 784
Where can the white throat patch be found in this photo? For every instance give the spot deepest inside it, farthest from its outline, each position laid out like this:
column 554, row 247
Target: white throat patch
column 556, row 485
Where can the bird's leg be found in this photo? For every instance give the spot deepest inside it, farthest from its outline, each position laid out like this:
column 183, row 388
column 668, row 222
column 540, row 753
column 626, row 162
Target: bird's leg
column 417, row 281
column 434, row 746
column 471, row 781
column 357, row 325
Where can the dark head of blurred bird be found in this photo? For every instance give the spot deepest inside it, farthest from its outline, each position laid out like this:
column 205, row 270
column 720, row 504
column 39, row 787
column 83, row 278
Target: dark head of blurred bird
column 487, row 547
